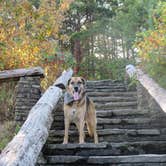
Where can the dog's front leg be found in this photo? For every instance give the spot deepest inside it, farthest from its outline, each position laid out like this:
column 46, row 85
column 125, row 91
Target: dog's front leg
column 66, row 136
column 81, row 131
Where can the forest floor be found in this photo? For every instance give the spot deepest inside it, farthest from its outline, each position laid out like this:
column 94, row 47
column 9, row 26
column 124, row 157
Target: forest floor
column 7, row 130
column 1, row 127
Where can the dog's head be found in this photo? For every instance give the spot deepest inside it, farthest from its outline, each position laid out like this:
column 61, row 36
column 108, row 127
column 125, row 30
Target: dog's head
column 76, row 87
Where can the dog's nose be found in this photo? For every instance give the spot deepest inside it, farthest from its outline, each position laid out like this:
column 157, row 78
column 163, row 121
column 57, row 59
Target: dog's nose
column 76, row 88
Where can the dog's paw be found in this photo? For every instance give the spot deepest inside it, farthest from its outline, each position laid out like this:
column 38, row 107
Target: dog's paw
column 65, row 142
column 81, row 142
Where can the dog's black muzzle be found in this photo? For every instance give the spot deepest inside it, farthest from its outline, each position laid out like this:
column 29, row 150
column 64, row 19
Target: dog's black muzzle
column 76, row 88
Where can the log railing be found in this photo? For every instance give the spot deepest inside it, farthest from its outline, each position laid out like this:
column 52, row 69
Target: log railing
column 27, row 90
column 17, row 73
column 25, row 147
column 155, row 91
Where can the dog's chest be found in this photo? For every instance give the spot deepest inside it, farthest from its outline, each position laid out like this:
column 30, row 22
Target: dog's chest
column 75, row 114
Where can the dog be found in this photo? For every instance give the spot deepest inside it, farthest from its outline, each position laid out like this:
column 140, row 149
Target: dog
column 79, row 109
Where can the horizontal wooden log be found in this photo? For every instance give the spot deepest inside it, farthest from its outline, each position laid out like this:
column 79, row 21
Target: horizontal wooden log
column 25, row 147
column 17, row 73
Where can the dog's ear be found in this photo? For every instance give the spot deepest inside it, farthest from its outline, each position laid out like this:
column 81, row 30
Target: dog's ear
column 67, row 86
column 83, row 80
column 68, row 82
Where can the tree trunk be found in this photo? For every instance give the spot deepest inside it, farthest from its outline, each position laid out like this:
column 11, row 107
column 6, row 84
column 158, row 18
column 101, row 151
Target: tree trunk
column 123, row 48
column 86, row 51
column 77, row 55
column 92, row 57
column 113, row 48
column 25, row 147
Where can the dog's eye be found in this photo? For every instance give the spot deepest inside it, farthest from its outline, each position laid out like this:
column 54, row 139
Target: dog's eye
column 72, row 83
column 79, row 82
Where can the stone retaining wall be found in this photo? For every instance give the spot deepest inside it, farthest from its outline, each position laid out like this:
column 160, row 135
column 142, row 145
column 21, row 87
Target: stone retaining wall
column 146, row 101
column 27, row 93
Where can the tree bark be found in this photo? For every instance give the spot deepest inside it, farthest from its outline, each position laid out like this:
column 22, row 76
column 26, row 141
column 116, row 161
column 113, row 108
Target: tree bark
column 25, row 147
column 77, row 55
column 92, row 57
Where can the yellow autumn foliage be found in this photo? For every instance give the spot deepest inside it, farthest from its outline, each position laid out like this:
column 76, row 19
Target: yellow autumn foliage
column 27, row 33
column 152, row 47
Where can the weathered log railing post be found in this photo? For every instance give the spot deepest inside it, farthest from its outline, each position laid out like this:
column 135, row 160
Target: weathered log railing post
column 27, row 144
column 150, row 94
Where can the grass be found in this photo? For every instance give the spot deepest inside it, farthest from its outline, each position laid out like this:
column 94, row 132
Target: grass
column 7, row 127
column 8, row 130
column 7, row 101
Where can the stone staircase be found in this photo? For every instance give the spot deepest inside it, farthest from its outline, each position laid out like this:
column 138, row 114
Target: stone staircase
column 127, row 136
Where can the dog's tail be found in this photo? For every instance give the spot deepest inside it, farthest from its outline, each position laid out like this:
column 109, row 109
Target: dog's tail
column 88, row 122
column 90, row 129
column 91, row 118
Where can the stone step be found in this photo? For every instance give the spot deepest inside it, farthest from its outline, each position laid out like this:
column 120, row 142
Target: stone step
column 132, row 132
column 112, row 113
column 106, row 86
column 111, row 135
column 130, row 160
column 103, row 110
column 107, row 90
column 113, row 99
column 112, row 121
column 125, row 97
column 145, row 158
column 109, row 123
column 124, row 121
column 106, row 81
column 106, row 149
column 121, row 113
column 126, row 94
column 106, row 126
column 122, row 118
column 73, row 149
column 117, row 105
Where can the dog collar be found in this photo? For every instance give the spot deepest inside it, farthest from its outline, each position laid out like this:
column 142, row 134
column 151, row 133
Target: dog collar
column 68, row 98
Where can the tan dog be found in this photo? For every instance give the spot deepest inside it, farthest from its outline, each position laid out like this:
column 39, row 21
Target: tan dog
column 79, row 109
